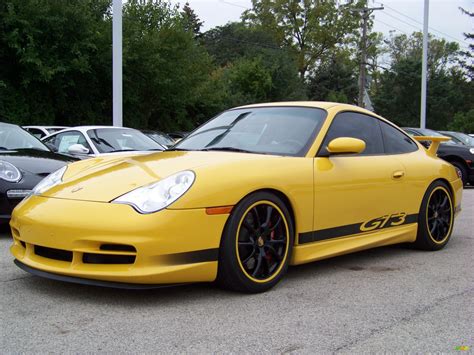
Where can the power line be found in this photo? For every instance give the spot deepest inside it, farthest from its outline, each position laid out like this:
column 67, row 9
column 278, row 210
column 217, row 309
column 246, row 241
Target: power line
column 418, row 22
column 234, row 4
column 418, row 28
column 391, row 26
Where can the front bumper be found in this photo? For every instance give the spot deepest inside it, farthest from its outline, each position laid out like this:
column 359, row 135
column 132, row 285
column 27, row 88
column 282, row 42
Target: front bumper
column 114, row 243
column 6, row 207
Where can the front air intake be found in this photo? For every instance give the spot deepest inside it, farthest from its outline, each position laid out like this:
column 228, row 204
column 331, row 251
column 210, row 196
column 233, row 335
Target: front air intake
column 51, row 253
column 90, row 258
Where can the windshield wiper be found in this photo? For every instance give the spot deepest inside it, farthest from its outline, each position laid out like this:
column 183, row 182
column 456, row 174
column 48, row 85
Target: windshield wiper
column 122, row 150
column 178, row 150
column 229, row 149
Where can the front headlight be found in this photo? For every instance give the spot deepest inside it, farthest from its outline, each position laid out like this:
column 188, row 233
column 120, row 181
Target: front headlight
column 9, row 172
column 471, row 150
column 159, row 195
column 49, row 181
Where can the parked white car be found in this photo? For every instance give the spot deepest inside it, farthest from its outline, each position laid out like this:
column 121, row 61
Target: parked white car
column 43, row 131
column 86, row 141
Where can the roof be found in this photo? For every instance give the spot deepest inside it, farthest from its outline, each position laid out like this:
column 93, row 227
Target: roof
column 45, row 127
column 316, row 104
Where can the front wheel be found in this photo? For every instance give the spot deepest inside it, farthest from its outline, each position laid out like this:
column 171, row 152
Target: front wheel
column 256, row 244
column 461, row 171
column 436, row 218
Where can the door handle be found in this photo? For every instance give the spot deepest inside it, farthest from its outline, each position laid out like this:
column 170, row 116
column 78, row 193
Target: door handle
column 398, row 174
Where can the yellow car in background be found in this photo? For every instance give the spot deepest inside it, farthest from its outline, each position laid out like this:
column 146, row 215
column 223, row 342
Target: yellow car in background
column 248, row 193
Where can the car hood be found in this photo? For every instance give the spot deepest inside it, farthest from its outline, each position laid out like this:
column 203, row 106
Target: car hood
column 34, row 161
column 105, row 178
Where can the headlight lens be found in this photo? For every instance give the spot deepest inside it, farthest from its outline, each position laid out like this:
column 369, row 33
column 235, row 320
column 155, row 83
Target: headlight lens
column 49, row 181
column 159, row 195
column 471, row 150
column 9, row 172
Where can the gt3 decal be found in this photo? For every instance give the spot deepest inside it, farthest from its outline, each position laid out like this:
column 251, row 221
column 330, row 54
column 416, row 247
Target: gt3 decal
column 387, row 221
column 384, row 221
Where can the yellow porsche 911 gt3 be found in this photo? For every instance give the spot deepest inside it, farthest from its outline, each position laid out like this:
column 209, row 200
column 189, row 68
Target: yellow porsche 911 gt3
column 248, row 193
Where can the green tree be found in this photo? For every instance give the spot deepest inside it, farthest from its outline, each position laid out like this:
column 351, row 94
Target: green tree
column 463, row 122
column 313, row 29
column 334, row 80
column 53, row 60
column 397, row 95
column 191, row 21
column 468, row 61
column 164, row 67
column 239, row 48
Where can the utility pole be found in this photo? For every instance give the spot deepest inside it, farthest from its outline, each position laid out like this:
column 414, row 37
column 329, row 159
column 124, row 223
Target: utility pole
column 424, row 66
column 117, row 63
column 366, row 12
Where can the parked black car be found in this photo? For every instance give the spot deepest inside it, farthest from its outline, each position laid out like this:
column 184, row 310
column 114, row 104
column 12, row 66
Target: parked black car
column 462, row 157
column 460, row 138
column 24, row 162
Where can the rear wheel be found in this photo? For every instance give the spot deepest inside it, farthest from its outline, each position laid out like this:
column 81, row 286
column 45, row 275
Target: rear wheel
column 436, row 218
column 256, row 244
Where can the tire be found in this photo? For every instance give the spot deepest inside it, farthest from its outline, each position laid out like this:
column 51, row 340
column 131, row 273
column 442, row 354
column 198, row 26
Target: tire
column 461, row 170
column 436, row 218
column 254, row 254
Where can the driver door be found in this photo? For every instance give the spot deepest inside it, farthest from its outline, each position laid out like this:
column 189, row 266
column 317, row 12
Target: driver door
column 356, row 193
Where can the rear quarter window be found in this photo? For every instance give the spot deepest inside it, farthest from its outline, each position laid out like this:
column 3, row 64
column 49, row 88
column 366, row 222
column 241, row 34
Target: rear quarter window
column 396, row 142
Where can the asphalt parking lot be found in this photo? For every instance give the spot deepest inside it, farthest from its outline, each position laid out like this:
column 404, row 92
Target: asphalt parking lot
column 389, row 299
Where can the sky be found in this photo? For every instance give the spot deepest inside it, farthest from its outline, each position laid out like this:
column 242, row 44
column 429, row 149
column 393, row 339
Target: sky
column 401, row 16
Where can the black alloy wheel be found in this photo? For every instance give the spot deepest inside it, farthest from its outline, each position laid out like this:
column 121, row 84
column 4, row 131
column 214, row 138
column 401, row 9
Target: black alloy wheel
column 262, row 241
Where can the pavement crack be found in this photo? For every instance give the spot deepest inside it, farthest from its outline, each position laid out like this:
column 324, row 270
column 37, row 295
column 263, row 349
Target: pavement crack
column 416, row 313
column 16, row 278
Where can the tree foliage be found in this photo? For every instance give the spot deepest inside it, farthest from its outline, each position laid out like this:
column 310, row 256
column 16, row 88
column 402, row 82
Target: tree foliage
column 312, row 29
column 398, row 92
column 52, row 60
column 56, row 63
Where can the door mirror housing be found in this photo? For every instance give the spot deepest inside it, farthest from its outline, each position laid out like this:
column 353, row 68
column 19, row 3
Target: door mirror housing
column 345, row 145
column 77, row 149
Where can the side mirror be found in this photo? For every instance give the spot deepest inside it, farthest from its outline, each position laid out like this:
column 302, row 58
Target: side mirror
column 346, row 145
column 77, row 149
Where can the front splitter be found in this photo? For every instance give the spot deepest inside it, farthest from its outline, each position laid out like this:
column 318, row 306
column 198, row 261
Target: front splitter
column 90, row 282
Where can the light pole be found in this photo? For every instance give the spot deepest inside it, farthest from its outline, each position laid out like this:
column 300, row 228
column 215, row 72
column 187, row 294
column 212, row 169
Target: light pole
column 117, row 63
column 424, row 65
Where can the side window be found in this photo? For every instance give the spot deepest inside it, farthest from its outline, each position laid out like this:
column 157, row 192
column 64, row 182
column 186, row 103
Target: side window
column 62, row 141
column 357, row 125
column 396, row 142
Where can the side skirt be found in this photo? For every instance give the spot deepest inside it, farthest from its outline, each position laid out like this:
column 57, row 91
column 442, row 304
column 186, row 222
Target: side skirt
column 305, row 253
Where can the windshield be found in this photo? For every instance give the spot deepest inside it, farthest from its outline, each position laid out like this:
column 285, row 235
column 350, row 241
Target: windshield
column 13, row 137
column 108, row 140
column 52, row 130
column 430, row 132
column 265, row 130
column 161, row 138
column 463, row 138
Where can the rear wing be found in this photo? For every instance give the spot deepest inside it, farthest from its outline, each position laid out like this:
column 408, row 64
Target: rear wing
column 435, row 142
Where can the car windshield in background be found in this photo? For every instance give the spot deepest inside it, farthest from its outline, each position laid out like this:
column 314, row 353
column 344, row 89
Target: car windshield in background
column 13, row 137
column 161, row 138
column 464, row 138
column 265, row 130
column 53, row 130
column 430, row 132
column 108, row 140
